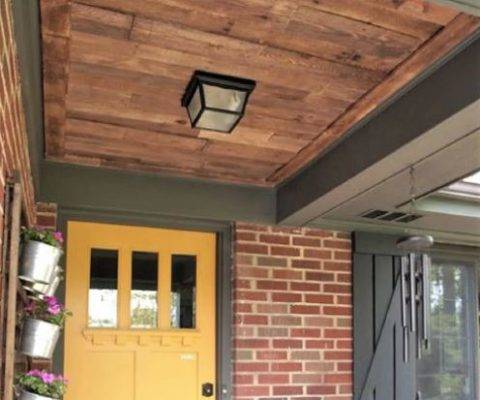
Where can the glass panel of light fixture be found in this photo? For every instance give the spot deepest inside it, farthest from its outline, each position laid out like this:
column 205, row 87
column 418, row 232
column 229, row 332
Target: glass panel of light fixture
column 195, row 105
column 217, row 121
column 225, row 99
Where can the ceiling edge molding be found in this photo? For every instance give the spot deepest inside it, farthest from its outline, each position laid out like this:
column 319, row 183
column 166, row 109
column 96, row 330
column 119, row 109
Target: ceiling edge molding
column 90, row 188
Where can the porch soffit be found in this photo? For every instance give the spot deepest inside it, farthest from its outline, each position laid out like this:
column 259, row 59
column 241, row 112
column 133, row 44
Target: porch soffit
column 115, row 70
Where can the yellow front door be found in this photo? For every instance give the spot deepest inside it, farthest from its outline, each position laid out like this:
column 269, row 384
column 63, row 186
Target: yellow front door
column 143, row 303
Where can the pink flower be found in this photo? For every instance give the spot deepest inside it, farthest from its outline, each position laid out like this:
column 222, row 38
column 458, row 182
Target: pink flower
column 58, row 236
column 47, row 378
column 51, row 300
column 53, row 305
column 35, row 372
column 54, row 310
column 30, row 307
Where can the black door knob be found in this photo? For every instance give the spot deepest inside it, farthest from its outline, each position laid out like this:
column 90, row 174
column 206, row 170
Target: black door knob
column 207, row 389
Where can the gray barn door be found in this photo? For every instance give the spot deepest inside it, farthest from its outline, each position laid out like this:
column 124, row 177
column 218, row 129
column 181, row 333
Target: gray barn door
column 384, row 343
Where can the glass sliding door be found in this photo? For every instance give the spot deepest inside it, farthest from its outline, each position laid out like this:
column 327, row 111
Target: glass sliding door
column 447, row 370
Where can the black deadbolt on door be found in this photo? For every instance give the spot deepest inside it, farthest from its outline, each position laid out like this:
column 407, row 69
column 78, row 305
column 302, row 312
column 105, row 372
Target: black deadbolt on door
column 207, row 389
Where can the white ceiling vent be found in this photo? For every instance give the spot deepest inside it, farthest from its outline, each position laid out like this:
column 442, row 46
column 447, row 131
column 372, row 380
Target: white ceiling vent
column 390, row 216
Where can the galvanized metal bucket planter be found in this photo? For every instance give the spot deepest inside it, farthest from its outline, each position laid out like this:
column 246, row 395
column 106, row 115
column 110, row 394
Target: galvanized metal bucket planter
column 36, row 287
column 52, row 288
column 39, row 338
column 38, row 262
column 24, row 395
column 44, row 288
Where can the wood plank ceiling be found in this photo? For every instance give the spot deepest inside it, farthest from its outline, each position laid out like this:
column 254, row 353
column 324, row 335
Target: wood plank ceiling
column 115, row 71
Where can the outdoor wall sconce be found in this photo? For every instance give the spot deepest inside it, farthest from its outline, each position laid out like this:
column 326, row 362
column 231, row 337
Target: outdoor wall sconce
column 216, row 102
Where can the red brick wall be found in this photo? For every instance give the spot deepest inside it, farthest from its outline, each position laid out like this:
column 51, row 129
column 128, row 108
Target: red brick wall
column 46, row 215
column 13, row 137
column 14, row 155
column 292, row 314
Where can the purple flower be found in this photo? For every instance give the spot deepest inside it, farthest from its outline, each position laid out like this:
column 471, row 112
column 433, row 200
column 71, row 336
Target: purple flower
column 58, row 236
column 30, row 307
column 47, row 378
column 51, row 300
column 53, row 306
column 48, row 309
column 54, row 310
column 35, row 372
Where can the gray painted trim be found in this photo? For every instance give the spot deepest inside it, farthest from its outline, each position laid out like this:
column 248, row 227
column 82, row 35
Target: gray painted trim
column 382, row 243
column 390, row 128
column 123, row 192
column 224, row 315
column 468, row 6
column 448, row 205
column 459, row 252
column 376, row 243
column 440, row 236
column 26, row 19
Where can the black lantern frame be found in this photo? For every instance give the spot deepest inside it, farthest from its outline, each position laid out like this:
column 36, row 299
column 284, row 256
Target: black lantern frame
column 201, row 78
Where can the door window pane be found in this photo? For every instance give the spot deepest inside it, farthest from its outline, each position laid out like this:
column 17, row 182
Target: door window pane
column 183, row 292
column 143, row 296
column 102, row 295
column 446, row 369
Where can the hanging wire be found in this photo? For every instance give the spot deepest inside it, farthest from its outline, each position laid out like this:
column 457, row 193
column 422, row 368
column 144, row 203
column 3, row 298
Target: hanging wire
column 412, row 196
column 412, row 188
column 412, row 241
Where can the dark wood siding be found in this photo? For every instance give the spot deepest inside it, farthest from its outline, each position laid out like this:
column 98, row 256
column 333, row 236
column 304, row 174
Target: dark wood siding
column 381, row 370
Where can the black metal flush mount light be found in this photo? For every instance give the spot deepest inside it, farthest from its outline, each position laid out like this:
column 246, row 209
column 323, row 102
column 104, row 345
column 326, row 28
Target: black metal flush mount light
column 216, row 102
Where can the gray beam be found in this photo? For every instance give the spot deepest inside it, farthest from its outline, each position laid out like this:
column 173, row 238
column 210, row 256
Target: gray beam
column 448, row 89
column 26, row 19
column 98, row 189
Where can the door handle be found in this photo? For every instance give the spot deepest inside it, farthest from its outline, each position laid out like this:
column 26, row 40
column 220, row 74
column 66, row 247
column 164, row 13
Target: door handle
column 207, row 389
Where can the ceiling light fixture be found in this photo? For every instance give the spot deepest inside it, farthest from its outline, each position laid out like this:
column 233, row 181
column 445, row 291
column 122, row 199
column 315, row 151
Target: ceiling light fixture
column 216, row 102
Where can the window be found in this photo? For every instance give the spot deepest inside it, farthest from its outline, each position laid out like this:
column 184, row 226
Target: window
column 447, row 369
column 102, row 295
column 183, row 291
column 107, row 299
column 143, row 296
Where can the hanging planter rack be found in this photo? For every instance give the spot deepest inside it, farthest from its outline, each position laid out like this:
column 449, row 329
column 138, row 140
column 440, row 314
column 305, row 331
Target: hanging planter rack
column 12, row 293
column 10, row 286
